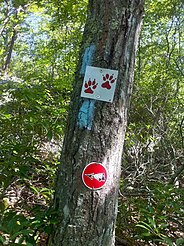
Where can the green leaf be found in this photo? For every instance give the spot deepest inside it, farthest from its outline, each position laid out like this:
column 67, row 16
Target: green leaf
column 146, row 234
column 146, row 226
column 152, row 222
column 29, row 244
column 25, row 232
column 179, row 241
column 2, row 239
column 34, row 189
column 49, row 135
column 168, row 241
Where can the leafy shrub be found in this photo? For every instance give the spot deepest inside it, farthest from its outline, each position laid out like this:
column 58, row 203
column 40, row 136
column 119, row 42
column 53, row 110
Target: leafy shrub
column 154, row 216
column 16, row 228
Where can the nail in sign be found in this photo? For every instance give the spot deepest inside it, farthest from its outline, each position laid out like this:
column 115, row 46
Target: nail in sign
column 99, row 83
column 94, row 176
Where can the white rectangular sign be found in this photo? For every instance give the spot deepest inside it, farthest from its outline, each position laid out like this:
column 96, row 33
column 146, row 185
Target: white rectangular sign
column 99, row 83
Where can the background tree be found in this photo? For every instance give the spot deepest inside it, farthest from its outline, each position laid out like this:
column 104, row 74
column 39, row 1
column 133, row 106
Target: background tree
column 152, row 176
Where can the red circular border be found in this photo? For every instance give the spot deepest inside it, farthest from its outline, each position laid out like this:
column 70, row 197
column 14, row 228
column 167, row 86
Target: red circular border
column 85, row 170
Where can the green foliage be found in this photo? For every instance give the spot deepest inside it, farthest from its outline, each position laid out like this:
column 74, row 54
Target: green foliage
column 16, row 228
column 28, row 120
column 154, row 137
column 161, row 214
column 154, row 216
column 35, row 85
column 34, row 103
column 151, row 211
column 37, row 70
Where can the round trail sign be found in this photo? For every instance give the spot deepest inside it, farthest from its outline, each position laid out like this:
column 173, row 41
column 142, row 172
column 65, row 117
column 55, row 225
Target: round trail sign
column 94, row 176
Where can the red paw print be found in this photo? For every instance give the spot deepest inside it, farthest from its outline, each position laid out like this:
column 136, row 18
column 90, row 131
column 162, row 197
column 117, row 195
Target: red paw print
column 90, row 86
column 108, row 80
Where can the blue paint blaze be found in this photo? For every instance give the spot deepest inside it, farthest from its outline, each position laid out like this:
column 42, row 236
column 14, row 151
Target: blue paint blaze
column 87, row 58
column 86, row 113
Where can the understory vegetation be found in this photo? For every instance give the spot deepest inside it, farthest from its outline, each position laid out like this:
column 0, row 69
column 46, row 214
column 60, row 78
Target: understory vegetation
column 39, row 46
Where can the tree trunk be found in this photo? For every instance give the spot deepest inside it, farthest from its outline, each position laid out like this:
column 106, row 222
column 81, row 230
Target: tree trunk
column 96, row 129
column 9, row 55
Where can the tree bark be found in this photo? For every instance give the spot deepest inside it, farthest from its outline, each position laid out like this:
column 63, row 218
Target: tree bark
column 9, row 55
column 96, row 130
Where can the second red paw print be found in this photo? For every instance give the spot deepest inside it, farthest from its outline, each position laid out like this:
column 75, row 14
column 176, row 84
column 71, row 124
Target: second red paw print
column 108, row 80
column 90, row 86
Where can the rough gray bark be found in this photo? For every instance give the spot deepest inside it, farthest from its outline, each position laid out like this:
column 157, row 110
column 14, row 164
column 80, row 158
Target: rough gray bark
column 110, row 39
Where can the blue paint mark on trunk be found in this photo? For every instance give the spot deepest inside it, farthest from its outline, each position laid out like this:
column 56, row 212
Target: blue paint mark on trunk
column 87, row 58
column 86, row 113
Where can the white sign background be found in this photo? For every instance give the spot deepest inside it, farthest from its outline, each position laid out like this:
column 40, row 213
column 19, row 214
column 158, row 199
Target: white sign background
column 99, row 83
